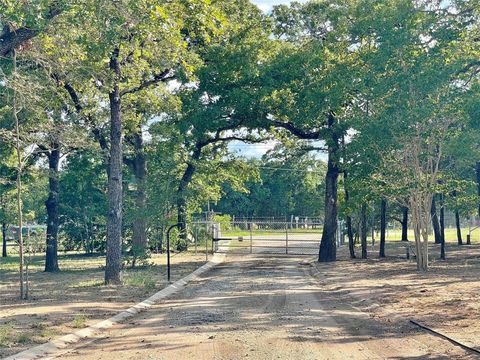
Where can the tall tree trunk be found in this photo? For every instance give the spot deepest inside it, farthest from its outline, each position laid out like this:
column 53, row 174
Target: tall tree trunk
column 478, row 184
column 442, row 226
column 351, row 240
column 405, row 223
column 181, row 198
column 18, row 148
column 51, row 258
column 458, row 226
column 181, row 213
column 363, row 230
column 328, row 245
column 383, row 227
column 4, row 240
column 139, row 237
column 113, row 268
column 435, row 223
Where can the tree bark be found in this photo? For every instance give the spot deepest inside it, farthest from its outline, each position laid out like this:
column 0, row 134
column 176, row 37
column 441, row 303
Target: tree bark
column 4, row 240
column 405, row 223
column 383, row 227
column 139, row 236
column 12, row 39
column 363, row 230
column 435, row 223
column 328, row 244
column 181, row 196
column 478, row 183
column 52, row 203
column 18, row 148
column 442, row 226
column 113, row 268
column 420, row 207
column 351, row 240
column 458, row 226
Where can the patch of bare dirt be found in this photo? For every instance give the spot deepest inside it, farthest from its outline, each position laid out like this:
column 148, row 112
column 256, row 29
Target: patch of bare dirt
column 262, row 307
column 74, row 298
column 446, row 298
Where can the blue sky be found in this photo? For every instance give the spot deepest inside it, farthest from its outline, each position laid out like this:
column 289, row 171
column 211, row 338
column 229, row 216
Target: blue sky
column 266, row 5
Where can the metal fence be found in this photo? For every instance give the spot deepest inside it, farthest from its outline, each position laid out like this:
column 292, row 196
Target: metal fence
column 250, row 237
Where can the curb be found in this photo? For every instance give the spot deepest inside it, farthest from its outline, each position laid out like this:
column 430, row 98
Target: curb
column 62, row 344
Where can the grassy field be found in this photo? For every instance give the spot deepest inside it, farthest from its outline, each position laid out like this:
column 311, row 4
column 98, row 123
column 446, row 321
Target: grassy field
column 392, row 234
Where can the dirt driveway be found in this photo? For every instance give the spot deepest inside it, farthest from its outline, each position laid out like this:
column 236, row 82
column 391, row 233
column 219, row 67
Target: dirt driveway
column 262, row 307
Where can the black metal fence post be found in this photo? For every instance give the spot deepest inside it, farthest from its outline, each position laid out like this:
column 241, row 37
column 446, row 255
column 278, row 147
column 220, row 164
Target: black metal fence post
column 168, row 248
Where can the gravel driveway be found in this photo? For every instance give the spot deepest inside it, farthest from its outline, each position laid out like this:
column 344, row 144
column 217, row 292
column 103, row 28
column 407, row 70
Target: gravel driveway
column 261, row 307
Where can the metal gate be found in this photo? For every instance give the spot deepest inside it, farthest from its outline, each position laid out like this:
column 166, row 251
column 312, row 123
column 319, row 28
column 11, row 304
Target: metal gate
column 271, row 237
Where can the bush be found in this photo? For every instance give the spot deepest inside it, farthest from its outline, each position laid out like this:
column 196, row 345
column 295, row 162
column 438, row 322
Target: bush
column 225, row 222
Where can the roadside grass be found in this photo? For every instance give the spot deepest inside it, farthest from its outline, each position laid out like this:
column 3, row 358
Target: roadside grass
column 141, row 279
column 79, row 321
column 6, row 334
column 12, row 335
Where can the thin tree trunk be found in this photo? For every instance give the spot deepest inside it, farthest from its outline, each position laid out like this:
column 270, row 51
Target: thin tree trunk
column 4, row 240
column 51, row 205
column 420, row 206
column 181, row 198
column 459, row 228
column 363, row 230
column 435, row 223
column 181, row 213
column 405, row 223
column 328, row 244
column 182, row 187
column 139, row 237
column 442, row 226
column 351, row 239
column 383, row 227
column 351, row 244
column 113, row 268
column 23, row 290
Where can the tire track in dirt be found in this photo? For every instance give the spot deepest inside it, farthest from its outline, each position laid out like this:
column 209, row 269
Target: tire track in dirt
column 261, row 307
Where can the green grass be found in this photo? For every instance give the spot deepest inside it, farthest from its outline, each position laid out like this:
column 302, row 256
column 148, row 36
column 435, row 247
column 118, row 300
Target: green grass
column 23, row 339
column 450, row 235
column 79, row 321
column 140, row 279
column 246, row 233
column 38, row 326
column 87, row 284
column 6, row 334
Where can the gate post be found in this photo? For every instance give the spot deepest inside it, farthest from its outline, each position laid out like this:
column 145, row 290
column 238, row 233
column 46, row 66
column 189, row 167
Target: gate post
column 286, row 238
column 250, row 225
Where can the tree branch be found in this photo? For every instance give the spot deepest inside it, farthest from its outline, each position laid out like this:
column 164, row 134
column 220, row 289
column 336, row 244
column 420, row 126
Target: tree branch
column 300, row 133
column 161, row 77
column 10, row 39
